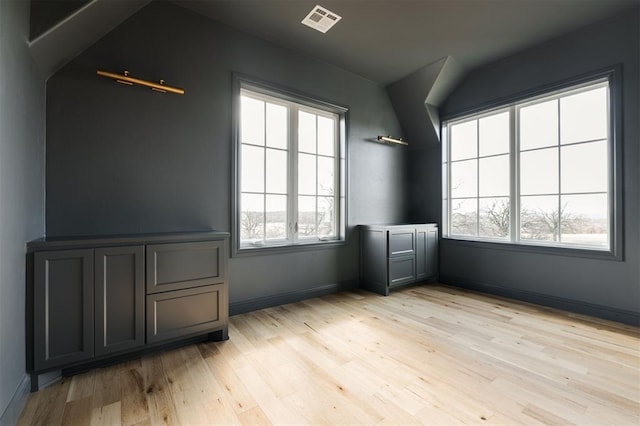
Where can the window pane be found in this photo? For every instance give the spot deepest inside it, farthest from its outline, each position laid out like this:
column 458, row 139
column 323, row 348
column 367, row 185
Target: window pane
column 326, row 181
column 539, row 218
column 583, row 117
column 584, row 167
column 306, row 216
column 494, row 176
column 464, row 140
column 494, row 134
column 276, row 219
column 276, row 126
column 326, row 136
column 252, row 165
column 464, row 217
column 252, row 121
column 494, row 217
column 251, row 217
column 585, row 220
column 306, row 132
column 464, row 179
column 539, row 172
column 326, row 216
column 306, row 174
column 276, row 171
column 538, row 125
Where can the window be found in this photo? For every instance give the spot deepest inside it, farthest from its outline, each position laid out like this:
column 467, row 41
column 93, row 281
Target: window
column 290, row 174
column 534, row 172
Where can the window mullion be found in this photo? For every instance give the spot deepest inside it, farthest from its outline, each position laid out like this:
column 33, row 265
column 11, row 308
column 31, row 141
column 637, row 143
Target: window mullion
column 292, row 184
column 559, row 176
column 317, row 214
column 264, row 175
column 514, row 175
column 477, row 178
column 449, row 192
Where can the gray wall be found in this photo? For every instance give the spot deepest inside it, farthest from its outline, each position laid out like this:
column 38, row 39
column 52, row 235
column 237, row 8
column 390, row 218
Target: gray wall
column 21, row 189
column 128, row 160
column 604, row 287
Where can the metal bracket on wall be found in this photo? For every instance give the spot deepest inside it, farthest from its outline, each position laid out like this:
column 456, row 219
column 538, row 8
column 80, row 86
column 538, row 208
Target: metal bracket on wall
column 125, row 78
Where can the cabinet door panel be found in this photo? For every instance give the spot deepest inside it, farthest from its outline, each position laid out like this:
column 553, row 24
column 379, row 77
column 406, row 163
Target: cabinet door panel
column 421, row 253
column 401, row 242
column 402, row 270
column 432, row 252
column 426, row 252
column 119, row 299
column 63, row 307
column 184, row 312
column 184, row 265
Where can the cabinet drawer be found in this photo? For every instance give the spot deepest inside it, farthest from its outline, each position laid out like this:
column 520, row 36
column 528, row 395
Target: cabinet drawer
column 402, row 270
column 184, row 312
column 402, row 242
column 184, row 265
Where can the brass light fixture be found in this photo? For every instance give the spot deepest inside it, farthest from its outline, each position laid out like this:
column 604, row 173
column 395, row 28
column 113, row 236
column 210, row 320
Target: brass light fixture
column 391, row 141
column 125, row 78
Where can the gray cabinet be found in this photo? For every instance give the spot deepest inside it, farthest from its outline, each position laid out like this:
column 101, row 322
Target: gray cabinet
column 119, row 299
column 186, row 291
column 63, row 307
column 395, row 255
column 426, row 252
column 179, row 266
column 92, row 299
column 184, row 312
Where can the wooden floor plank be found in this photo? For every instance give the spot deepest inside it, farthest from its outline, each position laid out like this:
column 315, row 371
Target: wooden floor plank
column 423, row 355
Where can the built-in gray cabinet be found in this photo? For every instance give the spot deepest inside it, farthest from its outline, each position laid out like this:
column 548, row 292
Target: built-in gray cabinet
column 91, row 299
column 63, row 307
column 395, row 255
column 119, row 299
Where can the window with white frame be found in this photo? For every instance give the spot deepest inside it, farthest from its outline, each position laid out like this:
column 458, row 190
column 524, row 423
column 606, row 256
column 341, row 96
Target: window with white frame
column 535, row 172
column 289, row 170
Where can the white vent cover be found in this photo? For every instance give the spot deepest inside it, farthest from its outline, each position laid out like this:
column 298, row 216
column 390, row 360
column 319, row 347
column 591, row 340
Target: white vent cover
column 321, row 19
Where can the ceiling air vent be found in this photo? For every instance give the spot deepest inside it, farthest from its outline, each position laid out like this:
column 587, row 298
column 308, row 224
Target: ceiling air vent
column 321, row 19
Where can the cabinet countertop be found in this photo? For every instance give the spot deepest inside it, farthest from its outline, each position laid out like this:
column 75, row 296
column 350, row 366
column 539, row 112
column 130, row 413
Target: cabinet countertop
column 80, row 241
column 396, row 225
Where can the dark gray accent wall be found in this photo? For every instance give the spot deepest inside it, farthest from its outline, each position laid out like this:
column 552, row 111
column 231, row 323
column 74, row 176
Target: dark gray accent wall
column 416, row 99
column 129, row 160
column 21, row 193
column 605, row 287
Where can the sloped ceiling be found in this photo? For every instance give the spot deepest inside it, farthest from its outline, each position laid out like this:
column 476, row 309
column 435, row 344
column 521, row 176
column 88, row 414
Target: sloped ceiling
column 382, row 40
column 385, row 40
column 70, row 35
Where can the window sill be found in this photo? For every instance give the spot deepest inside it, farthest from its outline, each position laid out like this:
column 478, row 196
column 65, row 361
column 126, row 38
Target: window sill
column 537, row 249
column 287, row 248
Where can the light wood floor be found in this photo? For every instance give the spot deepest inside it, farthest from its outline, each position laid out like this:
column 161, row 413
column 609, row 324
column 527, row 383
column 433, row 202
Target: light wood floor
column 428, row 354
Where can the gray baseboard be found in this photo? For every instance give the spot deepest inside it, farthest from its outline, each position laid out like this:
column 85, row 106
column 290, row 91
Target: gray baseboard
column 257, row 303
column 575, row 306
column 12, row 413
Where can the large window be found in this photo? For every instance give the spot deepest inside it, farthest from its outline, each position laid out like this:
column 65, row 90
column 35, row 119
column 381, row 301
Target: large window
column 537, row 172
column 289, row 170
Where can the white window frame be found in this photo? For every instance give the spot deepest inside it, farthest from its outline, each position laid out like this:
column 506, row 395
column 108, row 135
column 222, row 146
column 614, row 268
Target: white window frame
column 294, row 102
column 609, row 77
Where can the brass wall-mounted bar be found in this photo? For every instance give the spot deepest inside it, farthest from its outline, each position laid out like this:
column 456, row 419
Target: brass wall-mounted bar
column 126, row 79
column 390, row 140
